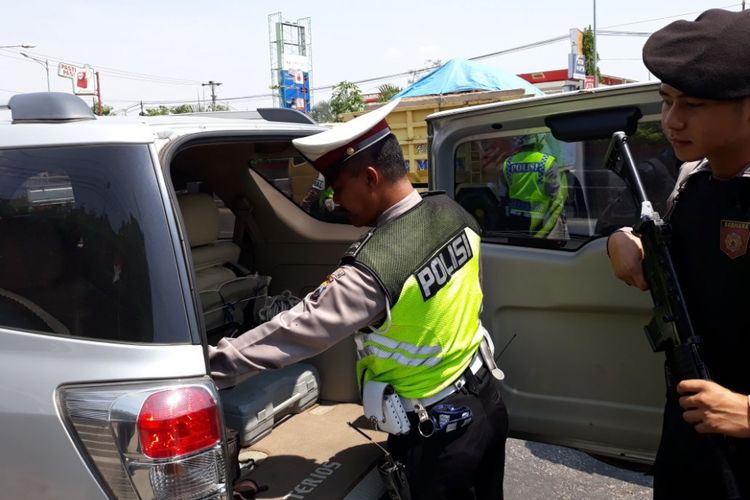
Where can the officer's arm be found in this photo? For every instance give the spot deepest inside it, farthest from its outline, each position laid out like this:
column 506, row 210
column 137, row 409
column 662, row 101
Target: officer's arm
column 347, row 301
column 556, row 187
column 625, row 252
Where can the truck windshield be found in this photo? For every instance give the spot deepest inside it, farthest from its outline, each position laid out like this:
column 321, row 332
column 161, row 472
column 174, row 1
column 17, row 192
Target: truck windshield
column 85, row 249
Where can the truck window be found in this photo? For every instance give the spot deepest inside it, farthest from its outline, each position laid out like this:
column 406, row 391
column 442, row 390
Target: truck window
column 85, row 249
column 532, row 190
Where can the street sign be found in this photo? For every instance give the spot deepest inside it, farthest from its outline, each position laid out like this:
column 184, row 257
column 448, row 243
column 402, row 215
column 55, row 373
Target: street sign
column 576, row 66
column 588, row 83
column 84, row 81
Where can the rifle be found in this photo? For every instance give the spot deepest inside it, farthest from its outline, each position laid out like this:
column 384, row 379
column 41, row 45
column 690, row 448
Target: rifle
column 670, row 329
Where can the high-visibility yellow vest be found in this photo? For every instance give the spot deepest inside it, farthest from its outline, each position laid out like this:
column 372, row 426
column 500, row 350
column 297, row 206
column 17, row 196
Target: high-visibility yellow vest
column 525, row 173
column 427, row 261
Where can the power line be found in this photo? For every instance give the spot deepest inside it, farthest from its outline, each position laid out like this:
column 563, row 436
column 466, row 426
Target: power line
column 115, row 73
column 669, row 17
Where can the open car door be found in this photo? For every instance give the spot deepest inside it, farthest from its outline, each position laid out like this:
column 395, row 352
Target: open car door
column 568, row 335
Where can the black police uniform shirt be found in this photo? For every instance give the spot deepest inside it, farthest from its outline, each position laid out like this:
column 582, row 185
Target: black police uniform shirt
column 710, row 222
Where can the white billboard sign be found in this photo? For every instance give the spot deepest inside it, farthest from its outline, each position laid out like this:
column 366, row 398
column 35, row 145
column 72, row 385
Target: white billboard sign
column 293, row 61
column 84, row 79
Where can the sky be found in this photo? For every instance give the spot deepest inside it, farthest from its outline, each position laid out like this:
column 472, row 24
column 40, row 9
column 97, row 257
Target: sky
column 162, row 51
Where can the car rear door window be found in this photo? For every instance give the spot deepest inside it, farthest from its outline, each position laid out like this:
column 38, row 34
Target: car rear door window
column 501, row 186
column 85, row 247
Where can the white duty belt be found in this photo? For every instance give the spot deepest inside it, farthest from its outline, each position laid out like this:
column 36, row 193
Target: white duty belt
column 483, row 357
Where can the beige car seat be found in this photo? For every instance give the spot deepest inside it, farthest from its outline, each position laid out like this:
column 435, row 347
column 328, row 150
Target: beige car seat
column 224, row 286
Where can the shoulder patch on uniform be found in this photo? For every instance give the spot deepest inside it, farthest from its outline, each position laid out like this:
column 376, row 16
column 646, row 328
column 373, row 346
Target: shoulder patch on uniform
column 734, row 236
column 336, row 274
column 355, row 247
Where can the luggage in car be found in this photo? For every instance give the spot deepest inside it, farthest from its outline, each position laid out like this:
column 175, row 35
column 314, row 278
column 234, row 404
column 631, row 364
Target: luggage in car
column 253, row 406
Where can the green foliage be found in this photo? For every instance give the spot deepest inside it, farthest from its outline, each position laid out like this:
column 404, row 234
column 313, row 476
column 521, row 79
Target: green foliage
column 387, row 91
column 347, row 97
column 588, row 52
column 650, row 132
column 321, row 112
column 161, row 110
column 182, row 108
column 106, row 110
column 219, row 107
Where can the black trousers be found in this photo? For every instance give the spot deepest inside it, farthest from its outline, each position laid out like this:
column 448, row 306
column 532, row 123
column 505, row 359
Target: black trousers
column 687, row 466
column 467, row 463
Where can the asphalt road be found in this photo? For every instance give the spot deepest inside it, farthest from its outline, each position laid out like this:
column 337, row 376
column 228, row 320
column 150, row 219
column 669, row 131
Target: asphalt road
column 540, row 471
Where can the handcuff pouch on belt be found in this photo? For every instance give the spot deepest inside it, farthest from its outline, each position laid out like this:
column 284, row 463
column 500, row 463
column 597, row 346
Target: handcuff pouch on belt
column 383, row 407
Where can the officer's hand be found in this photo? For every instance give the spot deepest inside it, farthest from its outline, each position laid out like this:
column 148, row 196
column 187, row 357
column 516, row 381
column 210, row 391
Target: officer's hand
column 712, row 408
column 625, row 255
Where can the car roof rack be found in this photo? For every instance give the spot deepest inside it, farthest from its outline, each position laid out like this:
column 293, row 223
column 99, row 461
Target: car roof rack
column 40, row 107
column 285, row 115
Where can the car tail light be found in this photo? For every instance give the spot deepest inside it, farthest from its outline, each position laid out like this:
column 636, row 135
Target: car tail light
column 150, row 440
column 177, row 422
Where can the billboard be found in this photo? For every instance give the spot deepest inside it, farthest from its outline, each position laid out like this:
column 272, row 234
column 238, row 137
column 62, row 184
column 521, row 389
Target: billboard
column 83, row 78
column 294, row 89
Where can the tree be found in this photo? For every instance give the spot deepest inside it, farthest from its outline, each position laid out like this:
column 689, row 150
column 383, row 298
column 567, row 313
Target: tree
column 387, row 91
column 182, row 108
column 346, row 98
column 106, row 110
column 161, row 110
column 588, row 52
column 321, row 112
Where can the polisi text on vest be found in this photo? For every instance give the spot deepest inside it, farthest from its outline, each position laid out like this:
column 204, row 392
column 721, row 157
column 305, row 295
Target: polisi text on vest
column 439, row 270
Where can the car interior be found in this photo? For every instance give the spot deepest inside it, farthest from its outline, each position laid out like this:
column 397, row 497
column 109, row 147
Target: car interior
column 254, row 248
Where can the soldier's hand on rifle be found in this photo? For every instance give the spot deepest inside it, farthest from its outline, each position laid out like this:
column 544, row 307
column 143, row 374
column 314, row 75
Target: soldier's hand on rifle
column 712, row 408
column 626, row 255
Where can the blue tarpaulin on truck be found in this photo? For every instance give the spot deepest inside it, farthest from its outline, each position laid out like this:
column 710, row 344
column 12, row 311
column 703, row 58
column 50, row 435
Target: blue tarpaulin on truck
column 461, row 75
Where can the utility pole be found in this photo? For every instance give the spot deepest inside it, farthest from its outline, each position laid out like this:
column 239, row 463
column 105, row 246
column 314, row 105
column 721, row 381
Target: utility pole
column 213, row 86
column 596, row 66
column 99, row 94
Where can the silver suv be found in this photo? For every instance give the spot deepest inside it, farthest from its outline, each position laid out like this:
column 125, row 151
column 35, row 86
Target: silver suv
column 127, row 245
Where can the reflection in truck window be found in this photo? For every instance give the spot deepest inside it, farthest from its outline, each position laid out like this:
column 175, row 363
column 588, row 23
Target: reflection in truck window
column 530, row 187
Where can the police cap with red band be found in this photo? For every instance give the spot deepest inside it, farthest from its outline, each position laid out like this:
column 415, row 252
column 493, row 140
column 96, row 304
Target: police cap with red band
column 327, row 150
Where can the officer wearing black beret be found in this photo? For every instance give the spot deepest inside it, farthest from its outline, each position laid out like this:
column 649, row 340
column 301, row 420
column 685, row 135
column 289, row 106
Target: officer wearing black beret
column 704, row 67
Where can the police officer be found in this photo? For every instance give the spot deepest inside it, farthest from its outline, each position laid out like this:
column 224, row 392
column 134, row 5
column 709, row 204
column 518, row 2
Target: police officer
column 411, row 287
column 536, row 190
column 704, row 67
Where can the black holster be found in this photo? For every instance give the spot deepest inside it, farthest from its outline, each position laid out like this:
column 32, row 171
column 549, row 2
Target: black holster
column 393, row 475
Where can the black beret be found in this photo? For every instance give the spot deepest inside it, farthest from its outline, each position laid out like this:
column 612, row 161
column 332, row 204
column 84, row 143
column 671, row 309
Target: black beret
column 707, row 58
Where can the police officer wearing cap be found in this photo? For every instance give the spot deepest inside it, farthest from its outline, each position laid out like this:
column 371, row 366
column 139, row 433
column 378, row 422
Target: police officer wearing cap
column 704, row 67
column 410, row 288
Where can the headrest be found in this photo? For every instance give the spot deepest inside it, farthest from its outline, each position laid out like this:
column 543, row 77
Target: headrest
column 201, row 218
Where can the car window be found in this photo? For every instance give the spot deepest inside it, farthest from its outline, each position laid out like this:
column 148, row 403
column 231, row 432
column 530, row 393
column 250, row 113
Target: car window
column 302, row 184
column 532, row 190
column 84, row 246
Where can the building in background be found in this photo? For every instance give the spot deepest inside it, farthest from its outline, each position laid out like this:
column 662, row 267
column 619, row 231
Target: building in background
column 558, row 80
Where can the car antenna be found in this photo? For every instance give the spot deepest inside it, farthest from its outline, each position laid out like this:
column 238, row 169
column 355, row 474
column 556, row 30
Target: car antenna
column 369, row 438
column 507, row 344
